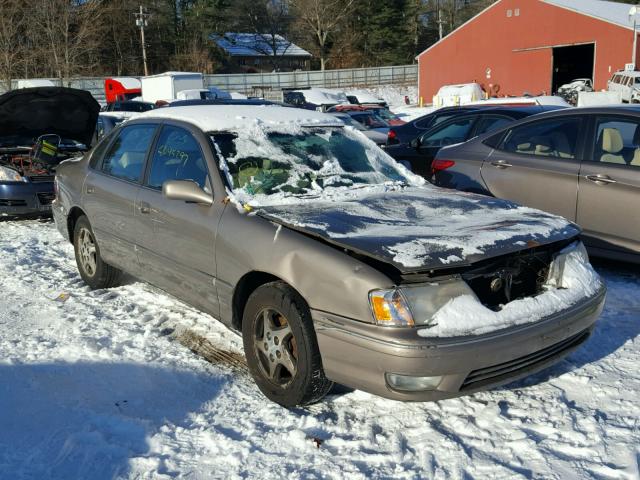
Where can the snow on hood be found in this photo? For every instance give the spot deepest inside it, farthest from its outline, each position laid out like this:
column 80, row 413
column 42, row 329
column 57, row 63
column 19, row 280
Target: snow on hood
column 68, row 112
column 422, row 228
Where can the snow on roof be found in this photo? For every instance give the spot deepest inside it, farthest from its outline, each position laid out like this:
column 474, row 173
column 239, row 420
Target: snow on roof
column 210, row 118
column 257, row 45
column 174, row 74
column 364, row 97
column 323, row 96
column 613, row 12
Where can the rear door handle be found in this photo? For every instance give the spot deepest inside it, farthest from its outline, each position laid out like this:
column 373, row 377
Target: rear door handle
column 601, row 179
column 501, row 164
column 144, row 207
column 91, row 190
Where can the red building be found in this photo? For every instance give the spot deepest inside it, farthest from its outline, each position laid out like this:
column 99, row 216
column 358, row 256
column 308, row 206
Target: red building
column 532, row 46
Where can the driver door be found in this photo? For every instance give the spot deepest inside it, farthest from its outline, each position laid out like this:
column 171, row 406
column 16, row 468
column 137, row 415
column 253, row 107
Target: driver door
column 177, row 239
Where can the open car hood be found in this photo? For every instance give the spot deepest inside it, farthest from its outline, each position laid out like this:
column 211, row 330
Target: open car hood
column 67, row 112
column 419, row 229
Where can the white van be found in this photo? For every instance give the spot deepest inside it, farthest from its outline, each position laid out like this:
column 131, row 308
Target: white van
column 627, row 84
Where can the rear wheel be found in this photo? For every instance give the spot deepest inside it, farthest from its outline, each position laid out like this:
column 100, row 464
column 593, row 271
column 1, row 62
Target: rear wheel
column 93, row 270
column 281, row 347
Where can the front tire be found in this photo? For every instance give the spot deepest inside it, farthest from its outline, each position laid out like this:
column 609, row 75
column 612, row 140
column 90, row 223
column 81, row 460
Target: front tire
column 93, row 270
column 281, row 347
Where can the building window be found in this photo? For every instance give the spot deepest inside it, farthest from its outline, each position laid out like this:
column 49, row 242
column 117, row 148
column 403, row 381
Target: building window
column 516, row 12
column 509, row 13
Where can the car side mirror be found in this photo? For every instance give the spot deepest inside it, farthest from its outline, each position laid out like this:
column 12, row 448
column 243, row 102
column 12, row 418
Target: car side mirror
column 415, row 143
column 187, row 191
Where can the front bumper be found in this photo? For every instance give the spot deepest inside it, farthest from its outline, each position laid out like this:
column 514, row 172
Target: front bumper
column 359, row 355
column 25, row 198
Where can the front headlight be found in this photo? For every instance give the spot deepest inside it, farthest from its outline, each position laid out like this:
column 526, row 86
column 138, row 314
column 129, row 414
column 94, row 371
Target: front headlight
column 576, row 251
column 414, row 305
column 10, row 175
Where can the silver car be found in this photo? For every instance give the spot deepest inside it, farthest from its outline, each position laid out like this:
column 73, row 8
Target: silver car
column 583, row 164
column 335, row 263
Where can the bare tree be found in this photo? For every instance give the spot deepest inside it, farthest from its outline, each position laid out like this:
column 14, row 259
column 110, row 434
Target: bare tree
column 71, row 35
column 322, row 18
column 12, row 45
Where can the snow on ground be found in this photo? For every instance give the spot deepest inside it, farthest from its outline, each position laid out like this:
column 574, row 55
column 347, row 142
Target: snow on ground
column 100, row 386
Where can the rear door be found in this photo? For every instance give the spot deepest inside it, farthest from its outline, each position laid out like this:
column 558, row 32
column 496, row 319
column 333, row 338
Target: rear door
column 537, row 164
column 609, row 187
column 177, row 238
column 110, row 191
column 450, row 132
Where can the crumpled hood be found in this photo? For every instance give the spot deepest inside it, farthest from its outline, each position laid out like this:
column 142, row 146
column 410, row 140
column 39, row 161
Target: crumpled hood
column 424, row 228
column 68, row 112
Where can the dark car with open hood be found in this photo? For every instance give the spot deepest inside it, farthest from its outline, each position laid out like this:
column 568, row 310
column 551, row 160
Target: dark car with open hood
column 334, row 262
column 39, row 128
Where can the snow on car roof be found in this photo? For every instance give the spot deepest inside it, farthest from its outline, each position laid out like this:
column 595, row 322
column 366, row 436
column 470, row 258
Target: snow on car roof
column 210, row 118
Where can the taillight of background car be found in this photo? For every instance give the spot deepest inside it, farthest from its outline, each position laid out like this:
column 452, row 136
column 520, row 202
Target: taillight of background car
column 439, row 165
column 392, row 137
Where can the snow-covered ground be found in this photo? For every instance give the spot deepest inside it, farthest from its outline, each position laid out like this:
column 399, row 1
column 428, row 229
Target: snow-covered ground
column 104, row 384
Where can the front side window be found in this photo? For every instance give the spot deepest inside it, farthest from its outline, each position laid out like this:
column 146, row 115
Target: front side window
column 125, row 158
column 452, row 133
column 178, row 156
column 617, row 141
column 549, row 138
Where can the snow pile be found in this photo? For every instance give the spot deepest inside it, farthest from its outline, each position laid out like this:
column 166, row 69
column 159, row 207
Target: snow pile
column 465, row 315
column 95, row 387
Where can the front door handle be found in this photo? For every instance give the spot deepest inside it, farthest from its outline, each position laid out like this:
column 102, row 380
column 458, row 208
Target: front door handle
column 91, row 190
column 144, row 207
column 600, row 179
column 501, row 164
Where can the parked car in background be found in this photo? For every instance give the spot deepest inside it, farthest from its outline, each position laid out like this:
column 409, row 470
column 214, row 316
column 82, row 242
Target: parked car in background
column 384, row 113
column 135, row 106
column 570, row 91
column 334, row 263
column 362, row 97
column 40, row 127
column 583, row 164
column 418, row 154
column 455, row 95
column 107, row 121
column 320, row 99
column 378, row 136
column 627, row 84
column 410, row 130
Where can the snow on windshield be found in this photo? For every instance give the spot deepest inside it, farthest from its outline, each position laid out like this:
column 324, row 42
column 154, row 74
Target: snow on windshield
column 267, row 166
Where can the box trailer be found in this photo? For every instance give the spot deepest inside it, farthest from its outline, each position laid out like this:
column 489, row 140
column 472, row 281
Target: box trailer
column 165, row 86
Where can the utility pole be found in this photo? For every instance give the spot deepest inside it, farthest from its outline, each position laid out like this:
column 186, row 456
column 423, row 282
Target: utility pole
column 142, row 20
column 439, row 20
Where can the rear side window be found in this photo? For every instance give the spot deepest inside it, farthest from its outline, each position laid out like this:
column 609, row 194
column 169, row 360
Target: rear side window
column 125, row 158
column 617, row 141
column 546, row 138
column 177, row 156
column 453, row 132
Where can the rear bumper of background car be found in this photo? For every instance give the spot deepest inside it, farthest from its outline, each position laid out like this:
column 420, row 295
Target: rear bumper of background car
column 25, row 198
column 362, row 355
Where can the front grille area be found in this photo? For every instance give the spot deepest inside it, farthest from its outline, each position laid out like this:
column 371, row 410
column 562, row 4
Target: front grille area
column 41, row 178
column 45, row 198
column 511, row 277
column 503, row 371
column 12, row 203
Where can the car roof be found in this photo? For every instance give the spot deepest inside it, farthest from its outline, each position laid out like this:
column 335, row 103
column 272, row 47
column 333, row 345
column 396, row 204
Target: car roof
column 223, row 101
column 210, row 118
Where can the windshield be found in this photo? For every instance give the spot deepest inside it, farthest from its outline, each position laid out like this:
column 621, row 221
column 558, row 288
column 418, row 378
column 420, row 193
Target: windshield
column 370, row 120
column 264, row 165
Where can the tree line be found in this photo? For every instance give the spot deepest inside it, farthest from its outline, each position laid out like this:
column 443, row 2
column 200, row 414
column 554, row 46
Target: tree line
column 66, row 38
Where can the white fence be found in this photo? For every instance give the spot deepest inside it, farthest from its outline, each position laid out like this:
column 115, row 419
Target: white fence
column 259, row 83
